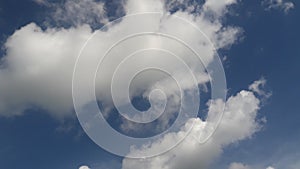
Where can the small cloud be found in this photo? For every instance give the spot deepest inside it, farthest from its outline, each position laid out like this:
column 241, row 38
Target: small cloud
column 257, row 87
column 238, row 166
column 278, row 4
column 270, row 167
column 42, row 2
column 84, row 167
column 243, row 166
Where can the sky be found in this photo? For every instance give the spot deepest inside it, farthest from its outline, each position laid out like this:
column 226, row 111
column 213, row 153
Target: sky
column 44, row 125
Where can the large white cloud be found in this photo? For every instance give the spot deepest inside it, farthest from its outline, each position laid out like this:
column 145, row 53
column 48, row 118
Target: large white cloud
column 239, row 122
column 37, row 68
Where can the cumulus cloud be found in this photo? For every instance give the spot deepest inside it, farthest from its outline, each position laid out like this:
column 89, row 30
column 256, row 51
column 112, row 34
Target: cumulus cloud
column 218, row 7
column 37, row 68
column 78, row 12
column 84, row 167
column 239, row 122
column 135, row 6
column 286, row 6
column 270, row 167
column 75, row 12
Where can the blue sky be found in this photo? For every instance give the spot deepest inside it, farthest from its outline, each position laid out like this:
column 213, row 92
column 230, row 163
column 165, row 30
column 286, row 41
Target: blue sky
column 268, row 48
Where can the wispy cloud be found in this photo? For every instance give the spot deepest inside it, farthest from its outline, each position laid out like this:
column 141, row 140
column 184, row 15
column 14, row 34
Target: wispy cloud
column 244, row 166
column 42, row 2
column 286, row 6
column 257, row 87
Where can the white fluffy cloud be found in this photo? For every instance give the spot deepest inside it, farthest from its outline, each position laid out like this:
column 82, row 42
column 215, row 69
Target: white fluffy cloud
column 37, row 68
column 75, row 12
column 239, row 122
column 84, row 167
column 286, row 6
column 78, row 12
column 218, row 7
column 270, row 167
column 38, row 65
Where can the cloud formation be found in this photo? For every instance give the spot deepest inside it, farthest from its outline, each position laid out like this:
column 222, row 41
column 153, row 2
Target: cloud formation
column 238, row 123
column 286, row 6
column 75, row 13
column 84, row 167
column 37, row 68
column 257, row 87
column 238, row 166
column 270, row 167
column 78, row 12
column 243, row 166
column 42, row 2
